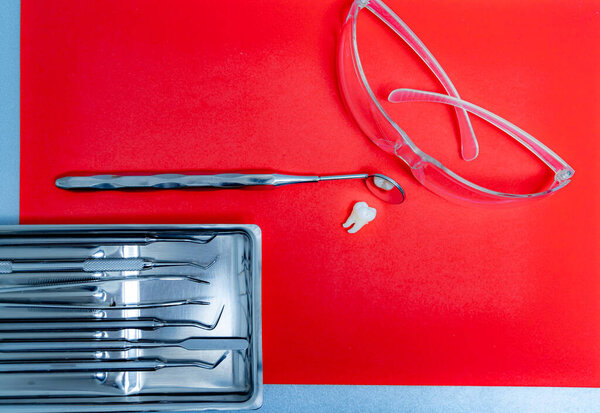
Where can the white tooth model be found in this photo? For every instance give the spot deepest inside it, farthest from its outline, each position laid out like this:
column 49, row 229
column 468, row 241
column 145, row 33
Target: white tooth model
column 361, row 215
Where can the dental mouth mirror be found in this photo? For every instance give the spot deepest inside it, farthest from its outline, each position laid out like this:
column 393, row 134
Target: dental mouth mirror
column 383, row 187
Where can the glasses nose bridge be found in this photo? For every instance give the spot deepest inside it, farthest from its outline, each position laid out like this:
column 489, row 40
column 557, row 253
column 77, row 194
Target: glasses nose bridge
column 411, row 156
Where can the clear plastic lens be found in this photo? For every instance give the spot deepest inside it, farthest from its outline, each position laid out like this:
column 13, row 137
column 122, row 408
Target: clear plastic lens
column 453, row 186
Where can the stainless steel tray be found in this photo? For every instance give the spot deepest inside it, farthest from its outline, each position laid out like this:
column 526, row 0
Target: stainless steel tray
column 130, row 318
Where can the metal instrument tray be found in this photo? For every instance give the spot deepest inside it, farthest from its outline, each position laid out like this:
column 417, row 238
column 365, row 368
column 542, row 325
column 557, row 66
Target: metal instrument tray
column 116, row 318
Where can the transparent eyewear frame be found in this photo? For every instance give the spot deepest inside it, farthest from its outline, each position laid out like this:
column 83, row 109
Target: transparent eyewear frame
column 384, row 132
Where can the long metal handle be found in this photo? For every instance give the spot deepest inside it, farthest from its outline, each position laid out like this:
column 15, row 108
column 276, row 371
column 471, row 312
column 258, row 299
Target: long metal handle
column 81, row 241
column 102, row 366
column 88, row 322
column 44, row 283
column 192, row 343
column 172, row 181
column 91, row 265
column 95, row 307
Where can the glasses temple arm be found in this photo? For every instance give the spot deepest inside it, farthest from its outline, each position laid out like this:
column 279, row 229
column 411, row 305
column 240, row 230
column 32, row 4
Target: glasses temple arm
column 469, row 145
column 558, row 165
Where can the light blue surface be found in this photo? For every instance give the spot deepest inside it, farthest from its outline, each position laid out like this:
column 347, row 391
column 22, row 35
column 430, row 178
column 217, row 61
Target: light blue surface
column 10, row 13
column 288, row 398
column 428, row 399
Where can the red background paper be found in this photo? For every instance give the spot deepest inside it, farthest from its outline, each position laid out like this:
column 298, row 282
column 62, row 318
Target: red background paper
column 429, row 292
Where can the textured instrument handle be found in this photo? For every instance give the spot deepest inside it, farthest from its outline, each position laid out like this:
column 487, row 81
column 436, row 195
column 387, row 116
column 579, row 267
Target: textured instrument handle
column 171, row 181
column 6, row 267
column 117, row 264
column 91, row 265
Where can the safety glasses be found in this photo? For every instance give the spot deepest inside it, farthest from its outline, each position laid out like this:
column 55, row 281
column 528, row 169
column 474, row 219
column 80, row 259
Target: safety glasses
column 383, row 131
